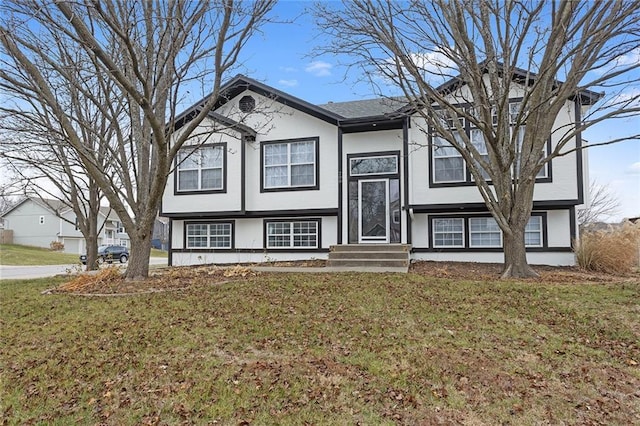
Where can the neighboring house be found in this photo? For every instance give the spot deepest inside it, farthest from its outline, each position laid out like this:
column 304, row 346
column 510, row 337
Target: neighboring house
column 288, row 180
column 35, row 223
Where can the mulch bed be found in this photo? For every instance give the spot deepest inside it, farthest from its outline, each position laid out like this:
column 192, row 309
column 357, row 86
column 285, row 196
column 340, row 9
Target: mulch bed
column 110, row 282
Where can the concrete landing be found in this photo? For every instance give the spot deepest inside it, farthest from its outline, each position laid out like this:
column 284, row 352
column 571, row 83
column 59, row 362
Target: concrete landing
column 331, row 269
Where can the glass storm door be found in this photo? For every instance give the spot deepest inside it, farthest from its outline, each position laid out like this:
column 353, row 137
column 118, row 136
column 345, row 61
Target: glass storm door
column 373, row 203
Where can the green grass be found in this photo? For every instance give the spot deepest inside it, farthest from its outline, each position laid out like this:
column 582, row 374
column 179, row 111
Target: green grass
column 293, row 349
column 158, row 253
column 13, row 254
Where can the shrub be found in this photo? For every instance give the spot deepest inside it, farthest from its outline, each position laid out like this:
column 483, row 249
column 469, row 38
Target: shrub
column 56, row 246
column 610, row 251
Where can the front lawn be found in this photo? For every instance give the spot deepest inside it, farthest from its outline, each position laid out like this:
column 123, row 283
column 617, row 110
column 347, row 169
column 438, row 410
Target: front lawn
column 14, row 254
column 324, row 349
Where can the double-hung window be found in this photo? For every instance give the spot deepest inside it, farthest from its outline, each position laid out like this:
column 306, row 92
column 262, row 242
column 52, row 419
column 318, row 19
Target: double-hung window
column 291, row 164
column 201, row 169
column 292, row 234
column 216, row 235
column 533, row 232
column 480, row 232
column 542, row 173
column 448, row 164
column 478, row 142
column 484, row 232
column 448, row 232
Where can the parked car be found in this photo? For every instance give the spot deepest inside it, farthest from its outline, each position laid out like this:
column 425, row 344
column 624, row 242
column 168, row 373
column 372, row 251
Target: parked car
column 109, row 254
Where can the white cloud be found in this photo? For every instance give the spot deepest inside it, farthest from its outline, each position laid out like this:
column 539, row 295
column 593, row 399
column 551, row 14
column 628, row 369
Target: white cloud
column 634, row 169
column 631, row 58
column 288, row 83
column 434, row 63
column 436, row 67
column 288, row 69
column 626, row 99
column 319, row 68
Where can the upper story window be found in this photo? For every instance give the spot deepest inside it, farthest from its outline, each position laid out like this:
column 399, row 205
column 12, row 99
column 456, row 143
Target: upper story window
column 447, row 165
column 202, row 169
column 290, row 165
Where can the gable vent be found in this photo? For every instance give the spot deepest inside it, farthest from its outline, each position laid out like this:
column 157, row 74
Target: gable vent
column 247, row 104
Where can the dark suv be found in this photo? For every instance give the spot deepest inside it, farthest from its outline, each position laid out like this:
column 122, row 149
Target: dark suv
column 109, row 254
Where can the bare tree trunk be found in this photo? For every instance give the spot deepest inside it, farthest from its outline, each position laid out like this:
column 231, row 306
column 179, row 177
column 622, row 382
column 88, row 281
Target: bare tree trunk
column 138, row 268
column 515, row 255
column 92, row 252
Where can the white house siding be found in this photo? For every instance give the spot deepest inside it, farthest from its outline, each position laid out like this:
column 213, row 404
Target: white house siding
column 295, row 125
column 24, row 220
column 534, row 258
column 564, row 176
column 556, row 252
column 230, row 200
column 248, row 244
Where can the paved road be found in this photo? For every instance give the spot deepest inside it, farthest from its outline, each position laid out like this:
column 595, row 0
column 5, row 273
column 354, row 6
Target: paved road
column 27, row 272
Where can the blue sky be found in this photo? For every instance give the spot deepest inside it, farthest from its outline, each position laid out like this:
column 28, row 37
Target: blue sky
column 282, row 57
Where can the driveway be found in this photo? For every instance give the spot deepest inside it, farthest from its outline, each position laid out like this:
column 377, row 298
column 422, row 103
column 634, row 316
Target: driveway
column 8, row 272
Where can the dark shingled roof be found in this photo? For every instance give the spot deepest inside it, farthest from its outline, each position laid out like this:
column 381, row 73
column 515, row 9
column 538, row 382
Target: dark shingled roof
column 365, row 108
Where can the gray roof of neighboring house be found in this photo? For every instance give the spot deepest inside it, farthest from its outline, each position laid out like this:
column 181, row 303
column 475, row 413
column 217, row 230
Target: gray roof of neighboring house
column 53, row 205
column 366, row 107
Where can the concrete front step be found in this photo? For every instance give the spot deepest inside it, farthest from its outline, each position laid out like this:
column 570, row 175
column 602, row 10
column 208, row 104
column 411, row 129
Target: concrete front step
column 370, row 255
column 371, row 247
column 389, row 255
column 365, row 263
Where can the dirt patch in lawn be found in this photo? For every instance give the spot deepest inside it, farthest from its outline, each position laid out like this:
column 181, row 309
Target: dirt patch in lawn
column 110, row 281
column 491, row 271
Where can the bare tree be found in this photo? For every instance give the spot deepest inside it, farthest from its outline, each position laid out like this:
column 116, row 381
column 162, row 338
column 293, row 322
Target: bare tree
column 602, row 203
column 547, row 52
column 36, row 147
column 156, row 54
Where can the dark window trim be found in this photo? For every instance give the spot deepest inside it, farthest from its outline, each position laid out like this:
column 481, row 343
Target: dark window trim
column 208, row 222
column 202, row 191
column 461, row 208
column 395, row 153
column 466, row 235
column 316, row 141
column 253, row 250
column 252, row 214
column 340, row 188
column 289, row 220
column 468, row 179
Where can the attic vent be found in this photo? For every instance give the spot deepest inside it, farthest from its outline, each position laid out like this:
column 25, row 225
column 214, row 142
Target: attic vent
column 247, row 104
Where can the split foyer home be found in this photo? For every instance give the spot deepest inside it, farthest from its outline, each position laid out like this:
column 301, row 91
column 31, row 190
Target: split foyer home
column 269, row 176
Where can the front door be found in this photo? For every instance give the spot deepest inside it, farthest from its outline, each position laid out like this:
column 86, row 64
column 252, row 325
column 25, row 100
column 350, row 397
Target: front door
column 373, row 206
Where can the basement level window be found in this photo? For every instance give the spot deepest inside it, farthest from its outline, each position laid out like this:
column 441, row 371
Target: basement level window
column 247, row 104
